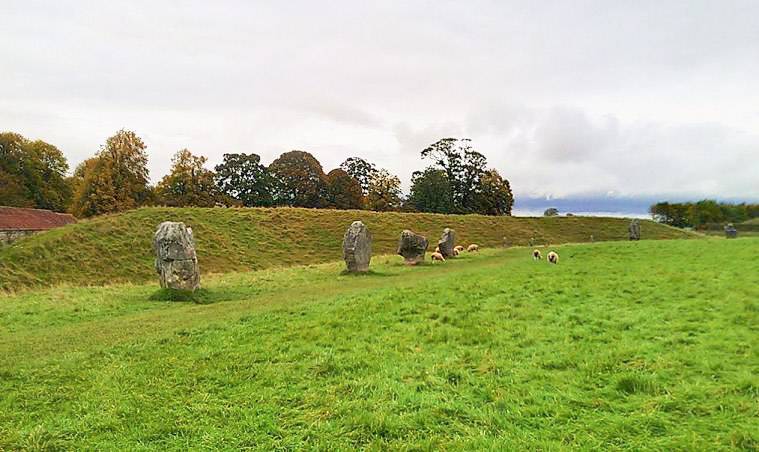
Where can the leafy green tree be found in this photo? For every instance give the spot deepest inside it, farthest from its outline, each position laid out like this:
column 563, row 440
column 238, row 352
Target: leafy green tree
column 706, row 213
column 244, row 178
column 12, row 191
column 431, row 191
column 361, row 170
column 188, row 184
column 463, row 166
column 672, row 214
column 32, row 174
column 299, row 180
column 551, row 212
column 384, row 192
column 343, row 191
column 116, row 179
column 494, row 195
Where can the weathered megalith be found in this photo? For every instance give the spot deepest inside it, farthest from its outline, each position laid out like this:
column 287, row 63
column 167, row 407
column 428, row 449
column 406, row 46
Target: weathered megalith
column 730, row 231
column 357, row 247
column 412, row 247
column 634, row 230
column 447, row 242
column 175, row 258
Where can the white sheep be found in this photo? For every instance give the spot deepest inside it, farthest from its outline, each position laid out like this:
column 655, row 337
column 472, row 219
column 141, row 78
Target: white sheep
column 455, row 252
column 553, row 257
column 459, row 248
column 536, row 255
column 473, row 247
column 437, row 257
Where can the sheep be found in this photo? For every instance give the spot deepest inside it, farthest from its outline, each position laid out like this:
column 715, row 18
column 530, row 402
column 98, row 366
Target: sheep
column 437, row 257
column 536, row 255
column 553, row 257
column 455, row 252
column 459, row 248
column 473, row 247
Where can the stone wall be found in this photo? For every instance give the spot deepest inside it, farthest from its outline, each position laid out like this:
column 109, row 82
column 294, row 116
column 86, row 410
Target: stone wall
column 8, row 237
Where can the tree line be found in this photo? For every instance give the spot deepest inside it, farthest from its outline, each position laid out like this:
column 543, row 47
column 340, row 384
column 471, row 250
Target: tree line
column 116, row 178
column 703, row 213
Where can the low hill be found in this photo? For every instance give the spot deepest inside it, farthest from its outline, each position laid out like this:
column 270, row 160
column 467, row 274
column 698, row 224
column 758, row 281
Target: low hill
column 118, row 248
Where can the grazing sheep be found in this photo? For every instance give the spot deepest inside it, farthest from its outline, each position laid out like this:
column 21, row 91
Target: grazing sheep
column 437, row 257
column 553, row 257
column 459, row 248
column 473, row 247
column 455, row 252
column 536, row 255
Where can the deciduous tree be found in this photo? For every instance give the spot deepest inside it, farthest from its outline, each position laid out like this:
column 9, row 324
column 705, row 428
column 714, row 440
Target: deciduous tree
column 116, row 179
column 244, row 178
column 463, row 166
column 32, row 174
column 431, row 191
column 493, row 196
column 361, row 170
column 299, row 180
column 343, row 191
column 384, row 192
column 188, row 183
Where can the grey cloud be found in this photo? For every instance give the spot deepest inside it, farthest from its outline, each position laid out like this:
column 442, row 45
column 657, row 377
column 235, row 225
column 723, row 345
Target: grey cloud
column 563, row 97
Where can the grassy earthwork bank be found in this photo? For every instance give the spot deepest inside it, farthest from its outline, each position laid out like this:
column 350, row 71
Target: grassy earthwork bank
column 643, row 345
column 118, row 248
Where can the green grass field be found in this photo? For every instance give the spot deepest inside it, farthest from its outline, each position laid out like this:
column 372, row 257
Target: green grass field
column 118, row 248
column 646, row 345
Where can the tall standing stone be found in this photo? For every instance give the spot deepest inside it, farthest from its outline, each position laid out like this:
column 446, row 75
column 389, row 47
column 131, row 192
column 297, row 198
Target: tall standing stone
column 730, row 231
column 357, row 248
column 412, row 247
column 447, row 242
column 634, row 230
column 175, row 258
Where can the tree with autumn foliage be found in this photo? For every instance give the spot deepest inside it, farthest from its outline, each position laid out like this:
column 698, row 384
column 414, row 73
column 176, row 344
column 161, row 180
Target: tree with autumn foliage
column 493, row 195
column 116, row 179
column 384, row 192
column 343, row 191
column 188, row 184
column 299, row 180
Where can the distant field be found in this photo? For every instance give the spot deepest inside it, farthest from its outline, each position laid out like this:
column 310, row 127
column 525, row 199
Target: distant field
column 117, row 248
column 646, row 345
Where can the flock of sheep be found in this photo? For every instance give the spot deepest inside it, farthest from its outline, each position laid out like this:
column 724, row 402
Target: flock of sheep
column 552, row 256
column 458, row 249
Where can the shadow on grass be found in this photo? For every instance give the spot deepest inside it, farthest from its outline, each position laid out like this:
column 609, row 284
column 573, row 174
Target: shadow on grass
column 368, row 274
column 200, row 296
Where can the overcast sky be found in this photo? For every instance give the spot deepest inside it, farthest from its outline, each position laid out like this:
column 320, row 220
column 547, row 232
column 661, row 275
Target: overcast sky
column 564, row 98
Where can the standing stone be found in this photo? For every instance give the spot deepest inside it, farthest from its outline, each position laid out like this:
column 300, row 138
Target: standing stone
column 730, row 231
column 175, row 258
column 357, row 248
column 447, row 242
column 634, row 230
column 412, row 247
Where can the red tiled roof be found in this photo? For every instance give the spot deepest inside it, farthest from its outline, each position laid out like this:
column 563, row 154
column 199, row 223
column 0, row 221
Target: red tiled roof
column 19, row 219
